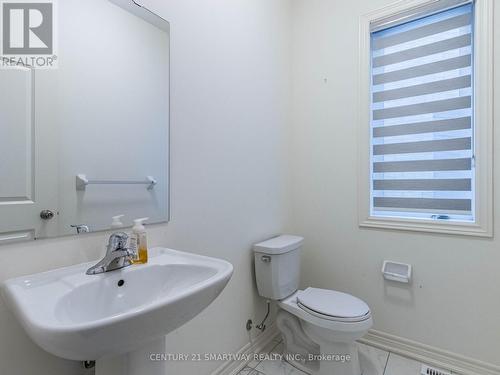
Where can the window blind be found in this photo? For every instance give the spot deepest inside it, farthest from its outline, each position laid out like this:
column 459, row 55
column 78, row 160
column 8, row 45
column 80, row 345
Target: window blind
column 422, row 117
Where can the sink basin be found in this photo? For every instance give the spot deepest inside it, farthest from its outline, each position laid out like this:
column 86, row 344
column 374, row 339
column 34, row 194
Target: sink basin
column 87, row 317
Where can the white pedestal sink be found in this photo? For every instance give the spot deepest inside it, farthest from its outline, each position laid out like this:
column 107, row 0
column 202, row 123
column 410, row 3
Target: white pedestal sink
column 125, row 312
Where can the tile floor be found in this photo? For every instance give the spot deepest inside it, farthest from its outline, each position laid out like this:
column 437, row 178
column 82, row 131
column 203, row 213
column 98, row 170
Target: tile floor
column 385, row 363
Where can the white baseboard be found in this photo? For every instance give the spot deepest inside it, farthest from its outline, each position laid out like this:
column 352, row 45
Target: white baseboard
column 427, row 354
column 256, row 346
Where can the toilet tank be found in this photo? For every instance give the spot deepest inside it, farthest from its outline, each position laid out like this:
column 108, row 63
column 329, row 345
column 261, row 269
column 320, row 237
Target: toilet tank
column 277, row 266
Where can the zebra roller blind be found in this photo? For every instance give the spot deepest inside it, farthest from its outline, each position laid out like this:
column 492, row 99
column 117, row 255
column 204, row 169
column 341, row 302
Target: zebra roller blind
column 422, row 156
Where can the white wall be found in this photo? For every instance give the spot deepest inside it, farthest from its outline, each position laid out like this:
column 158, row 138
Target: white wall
column 230, row 91
column 230, row 87
column 453, row 302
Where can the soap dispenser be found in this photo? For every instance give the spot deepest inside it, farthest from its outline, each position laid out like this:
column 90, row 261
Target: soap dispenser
column 117, row 223
column 139, row 235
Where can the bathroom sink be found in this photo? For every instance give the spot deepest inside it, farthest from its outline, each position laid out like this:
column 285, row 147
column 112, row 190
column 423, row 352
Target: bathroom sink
column 81, row 317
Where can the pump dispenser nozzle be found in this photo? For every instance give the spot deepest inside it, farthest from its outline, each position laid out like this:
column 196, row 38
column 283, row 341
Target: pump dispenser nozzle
column 117, row 223
column 139, row 224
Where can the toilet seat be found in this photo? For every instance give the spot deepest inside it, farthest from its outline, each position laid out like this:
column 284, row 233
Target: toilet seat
column 340, row 327
column 333, row 305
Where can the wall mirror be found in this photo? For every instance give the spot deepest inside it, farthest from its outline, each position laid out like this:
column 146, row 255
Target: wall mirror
column 87, row 140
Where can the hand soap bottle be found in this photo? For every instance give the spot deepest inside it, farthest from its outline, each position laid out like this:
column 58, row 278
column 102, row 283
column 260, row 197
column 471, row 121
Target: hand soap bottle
column 139, row 235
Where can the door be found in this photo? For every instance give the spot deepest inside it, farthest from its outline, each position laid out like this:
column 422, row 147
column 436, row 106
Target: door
column 28, row 185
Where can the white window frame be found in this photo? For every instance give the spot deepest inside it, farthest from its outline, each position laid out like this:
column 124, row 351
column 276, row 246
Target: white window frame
column 483, row 88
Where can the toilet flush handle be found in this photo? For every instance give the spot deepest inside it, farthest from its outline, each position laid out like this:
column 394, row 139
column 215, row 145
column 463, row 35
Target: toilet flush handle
column 266, row 258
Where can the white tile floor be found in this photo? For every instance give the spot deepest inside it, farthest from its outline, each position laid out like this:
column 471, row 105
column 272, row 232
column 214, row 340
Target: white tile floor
column 385, row 363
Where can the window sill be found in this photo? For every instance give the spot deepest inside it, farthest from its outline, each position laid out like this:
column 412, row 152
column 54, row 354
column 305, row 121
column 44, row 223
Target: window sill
column 429, row 226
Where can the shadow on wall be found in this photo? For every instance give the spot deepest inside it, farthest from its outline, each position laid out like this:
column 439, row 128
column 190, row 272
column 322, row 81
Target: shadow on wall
column 399, row 294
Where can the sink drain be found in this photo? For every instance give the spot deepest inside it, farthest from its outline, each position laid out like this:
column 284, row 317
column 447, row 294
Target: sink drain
column 121, row 282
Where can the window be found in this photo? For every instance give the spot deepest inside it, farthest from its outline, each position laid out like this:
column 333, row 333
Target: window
column 429, row 157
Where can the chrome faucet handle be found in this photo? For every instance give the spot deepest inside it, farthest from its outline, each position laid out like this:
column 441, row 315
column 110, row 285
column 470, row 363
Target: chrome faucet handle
column 118, row 255
column 117, row 241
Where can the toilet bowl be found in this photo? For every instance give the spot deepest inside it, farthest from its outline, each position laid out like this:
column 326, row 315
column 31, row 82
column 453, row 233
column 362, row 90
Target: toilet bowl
column 320, row 326
column 334, row 321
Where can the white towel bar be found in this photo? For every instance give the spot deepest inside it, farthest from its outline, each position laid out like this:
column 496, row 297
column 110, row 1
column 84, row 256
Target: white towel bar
column 82, row 181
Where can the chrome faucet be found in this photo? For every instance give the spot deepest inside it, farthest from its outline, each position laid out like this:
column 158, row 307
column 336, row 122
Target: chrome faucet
column 118, row 255
column 81, row 228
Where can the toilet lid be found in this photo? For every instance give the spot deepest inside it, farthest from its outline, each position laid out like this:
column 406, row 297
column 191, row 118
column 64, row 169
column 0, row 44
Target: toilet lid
column 332, row 303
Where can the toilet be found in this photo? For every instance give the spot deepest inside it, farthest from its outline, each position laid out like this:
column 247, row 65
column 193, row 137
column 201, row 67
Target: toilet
column 319, row 326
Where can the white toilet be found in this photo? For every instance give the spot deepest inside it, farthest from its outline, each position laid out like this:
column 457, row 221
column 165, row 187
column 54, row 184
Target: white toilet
column 319, row 326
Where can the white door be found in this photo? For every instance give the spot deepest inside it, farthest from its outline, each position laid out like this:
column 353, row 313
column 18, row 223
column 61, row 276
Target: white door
column 28, row 172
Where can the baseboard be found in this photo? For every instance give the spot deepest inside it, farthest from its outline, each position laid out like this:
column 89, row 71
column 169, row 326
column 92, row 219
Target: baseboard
column 256, row 346
column 429, row 355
